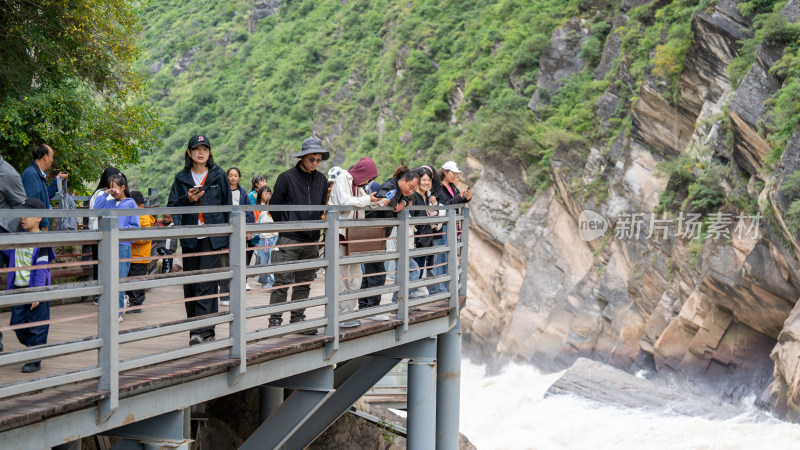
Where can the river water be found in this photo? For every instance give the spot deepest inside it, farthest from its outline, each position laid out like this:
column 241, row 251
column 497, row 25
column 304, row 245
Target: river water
column 509, row 411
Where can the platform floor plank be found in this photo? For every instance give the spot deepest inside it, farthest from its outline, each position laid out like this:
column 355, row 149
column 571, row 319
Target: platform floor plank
column 31, row 408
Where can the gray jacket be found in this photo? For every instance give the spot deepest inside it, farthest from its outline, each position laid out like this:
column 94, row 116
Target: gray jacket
column 12, row 193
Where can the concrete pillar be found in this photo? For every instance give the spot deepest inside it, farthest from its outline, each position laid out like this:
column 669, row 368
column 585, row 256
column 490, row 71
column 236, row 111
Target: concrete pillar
column 448, row 388
column 421, row 403
column 271, row 398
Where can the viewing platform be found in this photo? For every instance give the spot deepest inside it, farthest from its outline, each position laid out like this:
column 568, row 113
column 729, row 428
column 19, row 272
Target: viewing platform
column 137, row 380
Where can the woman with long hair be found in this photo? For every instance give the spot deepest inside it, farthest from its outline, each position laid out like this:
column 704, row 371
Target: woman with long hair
column 447, row 194
column 92, row 222
column 428, row 184
column 118, row 196
column 201, row 183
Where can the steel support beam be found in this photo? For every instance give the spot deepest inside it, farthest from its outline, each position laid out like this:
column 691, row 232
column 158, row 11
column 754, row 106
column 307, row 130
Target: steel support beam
column 270, row 399
column 448, row 387
column 337, row 404
column 421, row 400
column 311, row 390
column 161, row 432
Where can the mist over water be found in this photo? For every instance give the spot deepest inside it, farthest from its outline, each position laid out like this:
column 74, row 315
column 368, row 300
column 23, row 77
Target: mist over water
column 509, row 411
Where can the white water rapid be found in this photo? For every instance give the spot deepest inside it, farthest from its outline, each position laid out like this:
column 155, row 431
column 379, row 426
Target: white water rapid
column 509, row 411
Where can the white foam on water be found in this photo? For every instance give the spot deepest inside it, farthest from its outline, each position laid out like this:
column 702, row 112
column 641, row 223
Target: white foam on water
column 509, row 411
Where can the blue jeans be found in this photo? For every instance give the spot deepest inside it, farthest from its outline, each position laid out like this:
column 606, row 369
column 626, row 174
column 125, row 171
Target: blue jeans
column 263, row 257
column 124, row 268
column 413, row 275
column 439, row 258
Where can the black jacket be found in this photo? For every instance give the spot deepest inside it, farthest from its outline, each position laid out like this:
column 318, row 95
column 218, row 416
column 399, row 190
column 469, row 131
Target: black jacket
column 444, row 197
column 421, row 241
column 296, row 187
column 388, row 186
column 218, row 192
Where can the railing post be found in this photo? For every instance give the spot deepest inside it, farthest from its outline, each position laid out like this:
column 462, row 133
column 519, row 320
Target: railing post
column 237, row 295
column 152, row 197
column 402, row 273
column 462, row 281
column 107, row 316
column 452, row 262
column 332, row 282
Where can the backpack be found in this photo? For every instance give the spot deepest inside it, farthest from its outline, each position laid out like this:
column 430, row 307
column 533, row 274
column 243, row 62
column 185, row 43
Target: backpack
column 65, row 201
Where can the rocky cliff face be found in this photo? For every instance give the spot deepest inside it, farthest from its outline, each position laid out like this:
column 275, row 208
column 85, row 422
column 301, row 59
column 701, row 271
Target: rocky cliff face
column 718, row 309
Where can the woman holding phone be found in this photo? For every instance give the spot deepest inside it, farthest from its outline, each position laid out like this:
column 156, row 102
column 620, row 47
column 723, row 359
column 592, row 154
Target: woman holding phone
column 117, row 196
column 201, row 183
column 446, row 194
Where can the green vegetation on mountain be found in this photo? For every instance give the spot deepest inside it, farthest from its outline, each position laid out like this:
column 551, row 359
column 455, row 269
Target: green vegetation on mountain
column 398, row 81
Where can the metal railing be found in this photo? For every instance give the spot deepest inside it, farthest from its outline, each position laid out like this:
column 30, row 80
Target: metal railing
column 108, row 338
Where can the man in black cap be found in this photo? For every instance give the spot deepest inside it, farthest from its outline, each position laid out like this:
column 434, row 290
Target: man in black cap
column 301, row 185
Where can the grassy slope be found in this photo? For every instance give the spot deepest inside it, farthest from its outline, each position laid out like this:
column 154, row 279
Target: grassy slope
column 331, row 67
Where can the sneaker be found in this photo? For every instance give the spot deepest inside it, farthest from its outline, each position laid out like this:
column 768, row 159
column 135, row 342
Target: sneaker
column 209, row 339
column 32, row 367
column 418, row 292
column 309, row 332
column 350, row 324
column 195, row 339
column 135, row 310
column 225, row 302
column 120, row 319
column 247, row 286
column 95, row 302
column 380, row 317
column 274, row 323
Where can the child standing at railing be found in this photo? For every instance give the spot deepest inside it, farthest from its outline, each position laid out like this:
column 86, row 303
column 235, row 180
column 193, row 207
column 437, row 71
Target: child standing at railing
column 117, row 196
column 36, row 311
column 265, row 239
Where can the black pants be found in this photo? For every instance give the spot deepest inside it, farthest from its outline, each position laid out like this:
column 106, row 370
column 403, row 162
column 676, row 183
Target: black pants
column 283, row 255
column 205, row 306
column 137, row 297
column 224, row 285
column 370, row 281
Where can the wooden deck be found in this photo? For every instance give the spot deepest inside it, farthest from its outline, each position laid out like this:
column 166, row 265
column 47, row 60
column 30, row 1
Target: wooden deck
column 31, row 408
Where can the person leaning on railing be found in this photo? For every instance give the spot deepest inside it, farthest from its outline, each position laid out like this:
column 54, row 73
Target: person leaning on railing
column 200, row 183
column 394, row 193
column 303, row 184
column 348, row 190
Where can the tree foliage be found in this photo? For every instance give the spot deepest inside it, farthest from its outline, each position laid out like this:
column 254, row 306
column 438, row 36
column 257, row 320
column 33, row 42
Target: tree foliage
column 67, row 79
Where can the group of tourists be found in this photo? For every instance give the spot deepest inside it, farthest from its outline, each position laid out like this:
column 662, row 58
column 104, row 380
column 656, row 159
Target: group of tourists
column 203, row 183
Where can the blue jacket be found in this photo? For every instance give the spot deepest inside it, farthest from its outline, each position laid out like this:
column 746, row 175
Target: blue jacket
column 105, row 201
column 36, row 186
column 39, row 277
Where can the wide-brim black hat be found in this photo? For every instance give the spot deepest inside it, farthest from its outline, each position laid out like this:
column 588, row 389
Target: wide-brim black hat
column 313, row 145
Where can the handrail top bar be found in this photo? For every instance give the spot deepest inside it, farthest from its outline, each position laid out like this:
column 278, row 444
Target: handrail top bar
column 17, row 213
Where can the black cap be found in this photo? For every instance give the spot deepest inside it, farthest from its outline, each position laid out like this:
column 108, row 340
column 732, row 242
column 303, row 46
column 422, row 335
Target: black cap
column 32, row 203
column 199, row 140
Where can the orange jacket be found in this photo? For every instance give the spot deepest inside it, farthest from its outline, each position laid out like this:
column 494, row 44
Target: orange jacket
column 141, row 249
